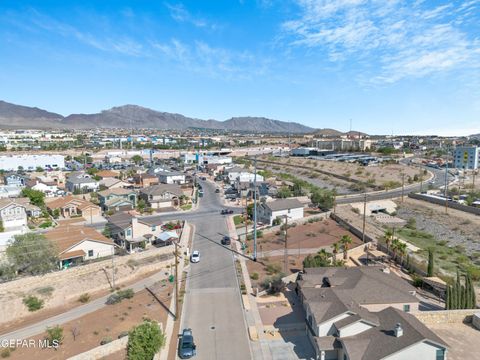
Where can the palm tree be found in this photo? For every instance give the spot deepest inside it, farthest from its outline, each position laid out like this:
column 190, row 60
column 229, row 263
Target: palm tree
column 388, row 238
column 335, row 249
column 402, row 251
column 395, row 246
column 346, row 240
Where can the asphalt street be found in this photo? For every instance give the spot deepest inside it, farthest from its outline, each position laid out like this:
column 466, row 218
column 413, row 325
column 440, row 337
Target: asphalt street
column 213, row 308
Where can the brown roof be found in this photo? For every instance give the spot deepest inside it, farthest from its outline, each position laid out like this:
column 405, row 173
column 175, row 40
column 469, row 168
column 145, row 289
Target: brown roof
column 72, row 254
column 107, row 173
column 64, row 201
column 65, row 237
column 8, row 202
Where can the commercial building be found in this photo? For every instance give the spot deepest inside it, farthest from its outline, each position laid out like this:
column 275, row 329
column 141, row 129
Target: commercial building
column 31, row 162
column 466, row 157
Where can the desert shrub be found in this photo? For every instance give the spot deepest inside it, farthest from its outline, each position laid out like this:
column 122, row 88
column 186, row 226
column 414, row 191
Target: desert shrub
column 54, row 335
column 45, row 291
column 33, row 303
column 106, row 340
column 273, row 268
column 84, row 298
column 254, row 276
column 117, row 297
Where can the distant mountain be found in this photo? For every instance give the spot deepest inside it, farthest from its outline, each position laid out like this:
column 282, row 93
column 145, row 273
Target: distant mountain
column 328, row 133
column 475, row 136
column 16, row 116
column 355, row 133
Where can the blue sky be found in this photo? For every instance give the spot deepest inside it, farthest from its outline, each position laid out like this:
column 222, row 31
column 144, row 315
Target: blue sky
column 390, row 66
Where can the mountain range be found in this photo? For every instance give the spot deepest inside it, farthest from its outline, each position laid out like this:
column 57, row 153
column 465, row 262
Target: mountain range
column 132, row 116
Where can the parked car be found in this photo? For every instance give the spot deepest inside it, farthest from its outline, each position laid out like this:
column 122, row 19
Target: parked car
column 226, row 240
column 195, row 257
column 226, row 212
column 217, row 190
column 203, row 178
column 186, row 345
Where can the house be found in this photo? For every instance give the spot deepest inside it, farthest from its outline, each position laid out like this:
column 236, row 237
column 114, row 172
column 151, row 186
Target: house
column 162, row 195
column 171, row 177
column 13, row 215
column 132, row 233
column 242, row 175
column 363, row 313
column 14, row 180
column 48, row 189
column 107, row 174
column 10, row 191
column 145, row 180
column 117, row 199
column 81, row 182
column 113, row 183
column 70, row 206
column 76, row 244
column 269, row 211
column 31, row 210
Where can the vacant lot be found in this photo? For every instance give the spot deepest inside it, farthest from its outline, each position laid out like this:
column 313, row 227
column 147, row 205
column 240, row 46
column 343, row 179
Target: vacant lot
column 105, row 324
column 311, row 236
column 382, row 175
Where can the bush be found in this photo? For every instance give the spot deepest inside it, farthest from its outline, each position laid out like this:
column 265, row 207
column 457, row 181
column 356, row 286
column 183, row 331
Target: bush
column 84, row 298
column 54, row 335
column 45, row 291
column 119, row 296
column 144, row 341
column 106, row 340
column 122, row 334
column 254, row 276
column 5, row 353
column 33, row 303
column 273, row 268
column 417, row 281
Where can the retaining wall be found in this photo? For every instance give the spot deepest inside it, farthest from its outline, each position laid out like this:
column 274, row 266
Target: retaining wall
column 445, row 316
column 451, row 204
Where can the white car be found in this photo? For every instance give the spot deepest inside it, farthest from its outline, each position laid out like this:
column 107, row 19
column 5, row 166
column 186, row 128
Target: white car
column 195, row 257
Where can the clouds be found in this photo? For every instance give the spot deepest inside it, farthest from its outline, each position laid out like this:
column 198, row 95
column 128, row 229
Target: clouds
column 401, row 38
column 179, row 13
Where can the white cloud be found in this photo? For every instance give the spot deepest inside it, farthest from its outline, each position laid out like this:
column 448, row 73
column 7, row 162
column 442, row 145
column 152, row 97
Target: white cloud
column 179, row 13
column 402, row 39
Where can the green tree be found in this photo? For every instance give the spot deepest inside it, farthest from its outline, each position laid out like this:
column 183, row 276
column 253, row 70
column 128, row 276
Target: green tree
column 54, row 335
column 346, row 240
column 2, row 229
column 284, row 192
column 141, row 205
column 388, row 236
column 144, row 341
column 36, row 197
column 137, row 159
column 335, row 250
column 297, row 189
column 32, row 254
column 322, row 198
column 430, row 266
column 39, row 169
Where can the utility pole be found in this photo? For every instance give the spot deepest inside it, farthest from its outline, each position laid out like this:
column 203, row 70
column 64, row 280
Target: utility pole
column 113, row 267
column 446, row 185
column 285, row 255
column 403, row 185
column 255, row 210
column 246, row 218
column 364, row 217
column 176, row 280
column 473, row 183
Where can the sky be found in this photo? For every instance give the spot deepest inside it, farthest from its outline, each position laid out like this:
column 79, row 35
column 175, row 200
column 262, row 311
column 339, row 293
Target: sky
column 385, row 66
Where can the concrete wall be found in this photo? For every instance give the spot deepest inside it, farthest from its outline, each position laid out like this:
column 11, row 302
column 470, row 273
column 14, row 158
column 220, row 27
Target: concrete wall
column 421, row 350
column 102, row 350
column 451, row 204
column 445, row 316
column 380, row 307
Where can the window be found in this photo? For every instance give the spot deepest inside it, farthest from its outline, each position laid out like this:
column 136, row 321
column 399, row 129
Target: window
column 90, row 253
column 129, row 232
column 406, row 308
column 440, row 354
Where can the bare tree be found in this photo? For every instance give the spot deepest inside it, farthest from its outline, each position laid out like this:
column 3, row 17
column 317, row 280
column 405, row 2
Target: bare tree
column 75, row 331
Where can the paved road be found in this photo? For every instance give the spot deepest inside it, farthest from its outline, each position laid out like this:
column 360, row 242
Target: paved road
column 213, row 306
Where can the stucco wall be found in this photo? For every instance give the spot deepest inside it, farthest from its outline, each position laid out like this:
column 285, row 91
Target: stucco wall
column 421, row 350
column 445, row 316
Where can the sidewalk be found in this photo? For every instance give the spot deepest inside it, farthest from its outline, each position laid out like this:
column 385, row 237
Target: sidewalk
column 183, row 244
column 252, row 316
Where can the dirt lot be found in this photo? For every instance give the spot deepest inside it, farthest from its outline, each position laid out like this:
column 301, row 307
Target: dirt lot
column 316, row 235
column 108, row 322
column 62, row 288
column 272, row 266
column 377, row 175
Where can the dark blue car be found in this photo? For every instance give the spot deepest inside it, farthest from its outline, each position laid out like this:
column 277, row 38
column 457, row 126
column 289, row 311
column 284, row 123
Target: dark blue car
column 186, row 345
